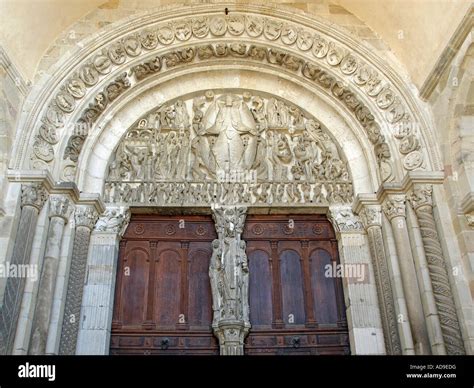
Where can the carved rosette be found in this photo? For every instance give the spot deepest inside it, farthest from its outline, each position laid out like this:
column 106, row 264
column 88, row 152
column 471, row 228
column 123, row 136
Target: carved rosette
column 229, row 274
column 33, row 195
column 59, row 206
column 422, row 202
column 114, row 220
column 394, row 206
column 345, row 221
column 85, row 216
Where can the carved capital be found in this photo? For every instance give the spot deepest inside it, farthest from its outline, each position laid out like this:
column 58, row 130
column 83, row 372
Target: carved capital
column 470, row 219
column 421, row 196
column 33, row 195
column 371, row 215
column 114, row 220
column 85, row 216
column 394, row 206
column 231, row 337
column 229, row 275
column 229, row 220
column 59, row 206
column 344, row 220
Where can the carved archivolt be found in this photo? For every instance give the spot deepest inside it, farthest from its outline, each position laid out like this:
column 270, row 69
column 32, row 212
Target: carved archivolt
column 229, row 149
column 331, row 66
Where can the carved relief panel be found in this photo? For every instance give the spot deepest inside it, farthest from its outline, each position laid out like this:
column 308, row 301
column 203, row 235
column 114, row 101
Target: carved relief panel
column 231, row 149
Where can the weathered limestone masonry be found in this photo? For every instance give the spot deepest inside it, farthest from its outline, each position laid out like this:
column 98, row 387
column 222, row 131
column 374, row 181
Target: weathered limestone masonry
column 295, row 114
column 99, row 286
column 362, row 308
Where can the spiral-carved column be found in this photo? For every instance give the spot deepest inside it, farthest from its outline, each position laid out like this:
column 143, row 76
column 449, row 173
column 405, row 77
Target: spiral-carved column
column 422, row 203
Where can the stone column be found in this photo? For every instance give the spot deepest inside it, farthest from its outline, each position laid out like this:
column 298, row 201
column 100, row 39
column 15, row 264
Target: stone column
column 85, row 218
column 59, row 211
column 98, row 296
column 394, row 208
column 422, row 203
column 33, row 198
column 362, row 310
column 371, row 216
column 228, row 272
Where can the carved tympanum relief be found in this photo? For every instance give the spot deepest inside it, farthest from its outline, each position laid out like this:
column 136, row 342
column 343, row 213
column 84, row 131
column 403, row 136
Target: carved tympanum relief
column 319, row 56
column 230, row 149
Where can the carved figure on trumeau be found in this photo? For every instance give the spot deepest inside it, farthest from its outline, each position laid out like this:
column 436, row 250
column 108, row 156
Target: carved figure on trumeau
column 229, row 148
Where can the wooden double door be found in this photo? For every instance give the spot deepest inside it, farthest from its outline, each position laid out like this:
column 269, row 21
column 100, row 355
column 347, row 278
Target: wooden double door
column 163, row 302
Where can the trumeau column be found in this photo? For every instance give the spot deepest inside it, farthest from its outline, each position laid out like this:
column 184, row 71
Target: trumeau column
column 371, row 216
column 394, row 208
column 59, row 212
column 85, row 218
column 421, row 201
column 362, row 309
column 33, row 198
column 98, row 296
column 229, row 276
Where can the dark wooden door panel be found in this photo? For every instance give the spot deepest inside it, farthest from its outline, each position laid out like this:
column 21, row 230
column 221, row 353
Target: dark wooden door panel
column 163, row 296
column 260, row 288
column 294, row 307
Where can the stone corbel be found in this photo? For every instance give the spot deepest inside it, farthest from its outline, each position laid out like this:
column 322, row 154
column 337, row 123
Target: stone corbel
column 344, row 220
column 113, row 220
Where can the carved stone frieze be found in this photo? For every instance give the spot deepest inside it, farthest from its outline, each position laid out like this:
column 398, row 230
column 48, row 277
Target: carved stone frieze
column 227, row 149
column 91, row 114
column 260, row 28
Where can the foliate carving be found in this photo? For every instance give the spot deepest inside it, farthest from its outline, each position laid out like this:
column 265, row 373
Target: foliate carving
column 229, row 274
column 371, row 215
column 33, row 195
column 421, row 196
column 344, row 220
column 421, row 201
column 114, row 220
column 228, row 149
column 394, row 206
column 85, row 216
column 59, row 206
column 322, row 48
column 384, row 288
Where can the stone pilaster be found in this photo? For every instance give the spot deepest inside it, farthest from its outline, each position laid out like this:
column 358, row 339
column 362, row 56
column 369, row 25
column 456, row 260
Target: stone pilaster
column 229, row 276
column 362, row 310
column 371, row 216
column 421, row 201
column 395, row 210
column 85, row 217
column 33, row 198
column 59, row 212
column 98, row 296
